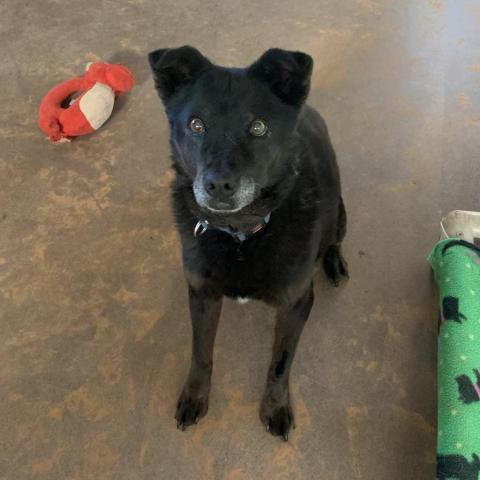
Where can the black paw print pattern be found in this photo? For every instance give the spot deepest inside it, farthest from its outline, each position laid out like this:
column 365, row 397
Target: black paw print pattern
column 457, row 467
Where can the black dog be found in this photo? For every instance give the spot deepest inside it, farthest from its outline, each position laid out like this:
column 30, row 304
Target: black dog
column 451, row 310
column 457, row 467
column 469, row 392
column 257, row 201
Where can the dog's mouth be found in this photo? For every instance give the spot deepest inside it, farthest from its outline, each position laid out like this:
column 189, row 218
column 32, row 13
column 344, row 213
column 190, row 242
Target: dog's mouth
column 222, row 208
column 211, row 205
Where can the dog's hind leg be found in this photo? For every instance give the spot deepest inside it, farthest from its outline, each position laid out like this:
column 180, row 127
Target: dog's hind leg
column 334, row 264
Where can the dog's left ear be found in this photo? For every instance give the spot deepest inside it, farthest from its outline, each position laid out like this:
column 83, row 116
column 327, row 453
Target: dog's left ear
column 174, row 67
column 287, row 74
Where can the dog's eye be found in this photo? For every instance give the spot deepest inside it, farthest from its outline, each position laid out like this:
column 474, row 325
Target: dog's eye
column 258, row 128
column 197, row 126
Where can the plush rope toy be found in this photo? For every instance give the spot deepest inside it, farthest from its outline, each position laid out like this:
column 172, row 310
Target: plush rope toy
column 83, row 104
column 456, row 264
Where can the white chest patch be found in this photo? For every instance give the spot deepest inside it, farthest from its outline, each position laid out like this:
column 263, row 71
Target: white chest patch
column 242, row 300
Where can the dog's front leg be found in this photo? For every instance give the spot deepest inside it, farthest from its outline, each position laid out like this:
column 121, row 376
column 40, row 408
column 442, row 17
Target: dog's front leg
column 276, row 412
column 205, row 307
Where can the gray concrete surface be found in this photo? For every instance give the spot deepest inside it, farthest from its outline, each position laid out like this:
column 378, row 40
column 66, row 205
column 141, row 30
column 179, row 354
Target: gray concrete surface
column 93, row 317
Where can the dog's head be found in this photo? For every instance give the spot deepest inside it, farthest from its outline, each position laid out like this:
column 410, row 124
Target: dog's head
column 232, row 129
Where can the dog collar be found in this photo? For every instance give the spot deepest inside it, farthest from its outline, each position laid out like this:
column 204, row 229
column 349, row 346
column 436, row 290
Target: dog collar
column 202, row 226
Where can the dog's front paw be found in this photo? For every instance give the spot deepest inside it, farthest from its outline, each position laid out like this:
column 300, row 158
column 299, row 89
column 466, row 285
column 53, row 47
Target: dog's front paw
column 277, row 417
column 190, row 408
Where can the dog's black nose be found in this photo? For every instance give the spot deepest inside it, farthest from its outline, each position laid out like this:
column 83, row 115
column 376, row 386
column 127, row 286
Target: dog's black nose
column 219, row 186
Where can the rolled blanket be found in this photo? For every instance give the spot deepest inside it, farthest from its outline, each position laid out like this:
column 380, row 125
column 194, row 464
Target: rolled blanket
column 456, row 265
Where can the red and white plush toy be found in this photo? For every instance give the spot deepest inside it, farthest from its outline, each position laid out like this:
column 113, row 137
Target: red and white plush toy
column 89, row 99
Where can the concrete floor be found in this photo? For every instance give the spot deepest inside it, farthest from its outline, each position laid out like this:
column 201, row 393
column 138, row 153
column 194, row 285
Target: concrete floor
column 94, row 322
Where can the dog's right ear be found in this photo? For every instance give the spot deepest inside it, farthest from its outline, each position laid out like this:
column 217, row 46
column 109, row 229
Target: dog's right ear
column 174, row 67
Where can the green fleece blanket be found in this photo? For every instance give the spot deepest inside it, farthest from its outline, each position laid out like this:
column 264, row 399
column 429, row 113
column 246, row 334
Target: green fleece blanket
column 456, row 265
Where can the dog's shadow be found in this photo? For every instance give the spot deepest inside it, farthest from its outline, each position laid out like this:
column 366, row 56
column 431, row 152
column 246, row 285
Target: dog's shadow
column 137, row 63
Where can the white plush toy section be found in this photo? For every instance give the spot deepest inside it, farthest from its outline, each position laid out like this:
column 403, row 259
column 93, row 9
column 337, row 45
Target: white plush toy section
column 97, row 104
